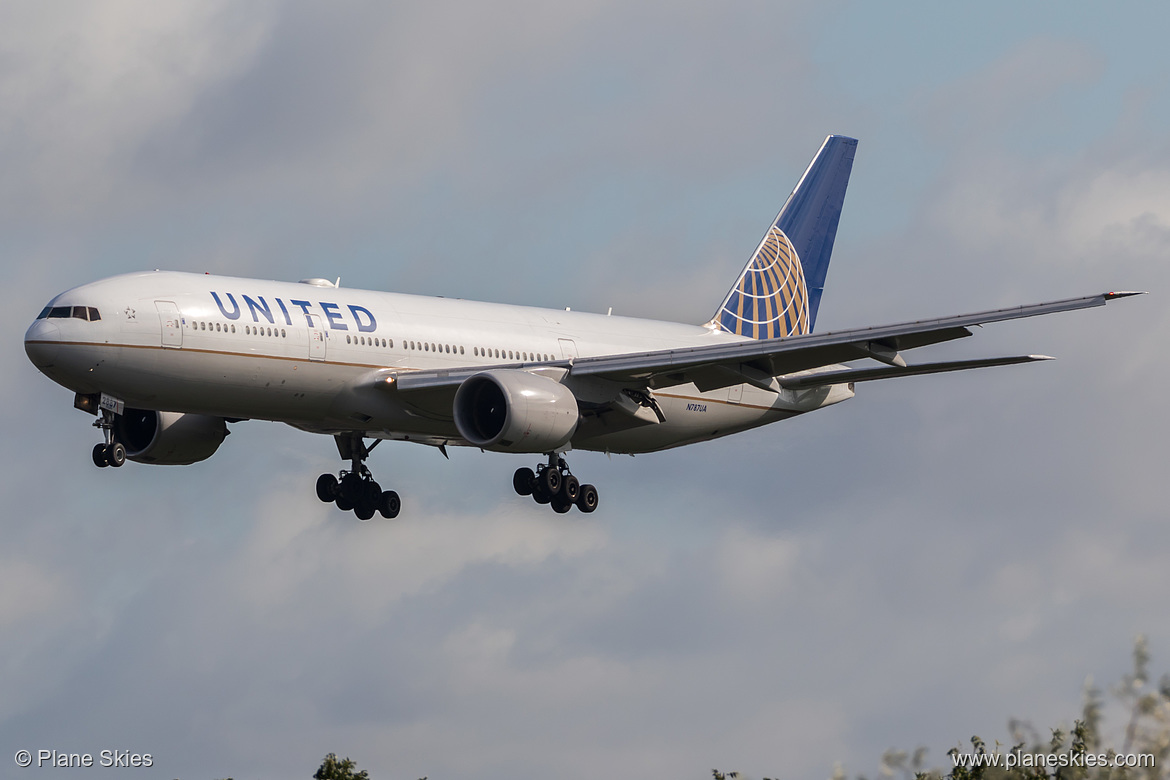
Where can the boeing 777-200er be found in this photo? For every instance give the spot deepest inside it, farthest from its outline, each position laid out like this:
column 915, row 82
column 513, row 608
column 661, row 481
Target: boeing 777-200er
column 166, row 360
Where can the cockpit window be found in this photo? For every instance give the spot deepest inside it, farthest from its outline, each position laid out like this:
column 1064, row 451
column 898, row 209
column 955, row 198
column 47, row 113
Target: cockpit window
column 88, row 313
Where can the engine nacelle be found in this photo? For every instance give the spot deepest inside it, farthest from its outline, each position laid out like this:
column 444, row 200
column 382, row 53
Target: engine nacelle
column 515, row 411
column 168, row 438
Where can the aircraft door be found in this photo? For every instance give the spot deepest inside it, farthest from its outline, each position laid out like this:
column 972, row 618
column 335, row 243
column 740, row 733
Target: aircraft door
column 172, row 323
column 316, row 337
column 568, row 348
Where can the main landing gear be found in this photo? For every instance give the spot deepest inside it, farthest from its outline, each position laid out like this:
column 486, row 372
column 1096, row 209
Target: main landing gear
column 112, row 453
column 356, row 489
column 553, row 484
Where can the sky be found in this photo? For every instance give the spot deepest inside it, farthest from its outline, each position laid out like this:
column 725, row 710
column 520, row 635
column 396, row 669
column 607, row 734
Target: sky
column 910, row 568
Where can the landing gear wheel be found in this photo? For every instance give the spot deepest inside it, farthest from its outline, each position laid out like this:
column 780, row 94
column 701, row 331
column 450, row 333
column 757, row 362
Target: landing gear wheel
column 522, row 481
column 552, row 481
column 347, row 494
column 540, row 495
column 373, row 495
column 356, row 489
column 587, row 499
column 350, row 488
column 99, row 456
column 369, row 496
column 327, row 488
column 560, row 504
column 570, row 489
column 390, row 505
column 116, row 454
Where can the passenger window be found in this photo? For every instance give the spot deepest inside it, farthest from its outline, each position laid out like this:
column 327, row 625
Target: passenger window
column 203, row 326
column 217, row 326
column 233, row 328
column 461, row 350
column 282, row 334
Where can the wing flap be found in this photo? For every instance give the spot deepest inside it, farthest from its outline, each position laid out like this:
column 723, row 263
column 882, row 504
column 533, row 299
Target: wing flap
column 806, row 381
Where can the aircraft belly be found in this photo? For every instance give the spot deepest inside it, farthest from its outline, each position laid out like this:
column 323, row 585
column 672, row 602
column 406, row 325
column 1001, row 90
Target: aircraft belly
column 690, row 416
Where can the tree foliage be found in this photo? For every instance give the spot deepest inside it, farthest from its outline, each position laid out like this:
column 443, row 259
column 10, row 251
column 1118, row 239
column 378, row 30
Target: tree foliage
column 1146, row 732
column 334, row 768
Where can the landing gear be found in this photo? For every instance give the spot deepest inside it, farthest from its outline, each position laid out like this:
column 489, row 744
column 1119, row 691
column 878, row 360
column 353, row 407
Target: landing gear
column 116, row 454
column 356, row 489
column 553, row 484
column 112, row 453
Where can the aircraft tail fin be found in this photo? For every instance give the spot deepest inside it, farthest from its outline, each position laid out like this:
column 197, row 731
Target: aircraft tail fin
column 779, row 291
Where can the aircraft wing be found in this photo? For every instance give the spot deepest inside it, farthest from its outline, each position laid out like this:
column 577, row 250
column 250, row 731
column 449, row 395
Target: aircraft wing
column 760, row 362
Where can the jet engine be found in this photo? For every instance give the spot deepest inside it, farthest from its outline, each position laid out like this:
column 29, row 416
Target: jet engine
column 168, row 438
column 515, row 411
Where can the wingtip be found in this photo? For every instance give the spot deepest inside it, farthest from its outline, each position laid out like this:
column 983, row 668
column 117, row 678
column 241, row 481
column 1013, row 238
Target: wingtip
column 1041, row 357
column 1123, row 294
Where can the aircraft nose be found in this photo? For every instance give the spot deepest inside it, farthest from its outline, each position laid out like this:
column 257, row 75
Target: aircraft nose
column 41, row 343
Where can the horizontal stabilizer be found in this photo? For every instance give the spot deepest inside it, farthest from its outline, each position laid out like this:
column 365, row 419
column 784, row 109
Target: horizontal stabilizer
column 805, row 381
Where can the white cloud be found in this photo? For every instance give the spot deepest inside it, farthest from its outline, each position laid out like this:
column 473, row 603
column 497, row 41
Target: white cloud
column 85, row 84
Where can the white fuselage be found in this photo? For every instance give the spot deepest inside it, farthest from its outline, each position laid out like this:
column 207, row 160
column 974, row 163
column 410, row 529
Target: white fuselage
column 297, row 353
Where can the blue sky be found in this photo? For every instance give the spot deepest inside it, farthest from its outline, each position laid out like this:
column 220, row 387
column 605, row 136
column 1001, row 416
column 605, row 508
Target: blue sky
column 910, row 568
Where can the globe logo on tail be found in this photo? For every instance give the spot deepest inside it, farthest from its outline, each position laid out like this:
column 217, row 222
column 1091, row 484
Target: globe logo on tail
column 771, row 298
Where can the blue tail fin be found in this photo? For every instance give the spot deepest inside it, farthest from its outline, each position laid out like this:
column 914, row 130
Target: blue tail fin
column 780, row 289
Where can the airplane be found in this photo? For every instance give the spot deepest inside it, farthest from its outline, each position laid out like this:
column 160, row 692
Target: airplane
column 165, row 361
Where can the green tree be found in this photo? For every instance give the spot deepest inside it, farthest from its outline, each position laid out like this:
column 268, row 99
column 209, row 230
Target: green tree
column 1146, row 736
column 334, row 768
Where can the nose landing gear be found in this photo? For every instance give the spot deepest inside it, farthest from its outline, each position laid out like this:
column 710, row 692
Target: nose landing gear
column 112, row 453
column 356, row 489
column 554, row 484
